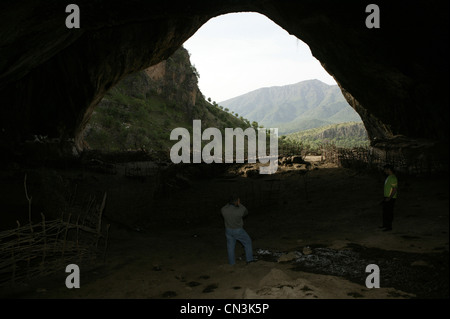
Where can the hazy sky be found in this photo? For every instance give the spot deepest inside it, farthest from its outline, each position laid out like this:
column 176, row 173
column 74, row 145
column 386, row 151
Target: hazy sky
column 241, row 52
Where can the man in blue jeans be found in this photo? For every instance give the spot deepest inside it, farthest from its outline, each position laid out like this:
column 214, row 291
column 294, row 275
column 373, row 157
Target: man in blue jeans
column 232, row 214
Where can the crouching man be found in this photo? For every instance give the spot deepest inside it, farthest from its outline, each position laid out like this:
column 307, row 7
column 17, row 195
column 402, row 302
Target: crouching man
column 232, row 214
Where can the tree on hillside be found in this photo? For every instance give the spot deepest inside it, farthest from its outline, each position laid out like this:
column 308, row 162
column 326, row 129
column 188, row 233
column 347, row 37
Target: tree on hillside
column 195, row 71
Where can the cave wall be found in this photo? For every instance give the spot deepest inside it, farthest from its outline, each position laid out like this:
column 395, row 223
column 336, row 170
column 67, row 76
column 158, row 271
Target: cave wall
column 51, row 77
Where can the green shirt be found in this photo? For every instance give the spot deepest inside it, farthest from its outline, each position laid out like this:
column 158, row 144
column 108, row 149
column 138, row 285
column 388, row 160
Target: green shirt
column 390, row 183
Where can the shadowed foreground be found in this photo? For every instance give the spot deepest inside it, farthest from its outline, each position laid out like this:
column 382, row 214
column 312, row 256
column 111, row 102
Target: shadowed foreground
column 314, row 232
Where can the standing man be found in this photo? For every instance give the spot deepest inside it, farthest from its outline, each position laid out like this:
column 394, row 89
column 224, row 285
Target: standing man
column 390, row 196
column 232, row 214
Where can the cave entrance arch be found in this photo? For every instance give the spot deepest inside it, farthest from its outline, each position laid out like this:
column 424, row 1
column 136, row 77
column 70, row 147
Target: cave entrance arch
column 239, row 53
column 51, row 80
column 337, row 56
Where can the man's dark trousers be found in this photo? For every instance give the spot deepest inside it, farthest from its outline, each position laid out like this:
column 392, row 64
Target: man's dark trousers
column 388, row 213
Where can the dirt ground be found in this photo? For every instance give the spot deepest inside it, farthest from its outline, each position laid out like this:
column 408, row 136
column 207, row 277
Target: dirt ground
column 173, row 246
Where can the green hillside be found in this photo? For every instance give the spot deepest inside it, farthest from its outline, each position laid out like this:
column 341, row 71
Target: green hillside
column 345, row 135
column 141, row 110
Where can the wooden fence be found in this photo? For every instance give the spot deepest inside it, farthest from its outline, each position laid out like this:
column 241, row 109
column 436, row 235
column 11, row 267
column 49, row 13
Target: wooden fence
column 368, row 158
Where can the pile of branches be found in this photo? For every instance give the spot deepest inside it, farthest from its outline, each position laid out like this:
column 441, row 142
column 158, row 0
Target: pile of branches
column 42, row 248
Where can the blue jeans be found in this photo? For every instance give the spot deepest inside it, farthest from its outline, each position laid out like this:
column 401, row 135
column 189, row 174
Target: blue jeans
column 241, row 235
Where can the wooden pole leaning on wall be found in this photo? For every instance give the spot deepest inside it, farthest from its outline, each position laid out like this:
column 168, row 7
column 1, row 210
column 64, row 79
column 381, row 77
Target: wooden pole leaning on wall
column 106, row 242
column 65, row 234
column 99, row 224
column 58, row 230
column 77, row 239
column 13, row 255
column 44, row 251
column 29, row 199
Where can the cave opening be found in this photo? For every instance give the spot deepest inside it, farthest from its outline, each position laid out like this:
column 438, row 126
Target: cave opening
column 165, row 234
column 237, row 54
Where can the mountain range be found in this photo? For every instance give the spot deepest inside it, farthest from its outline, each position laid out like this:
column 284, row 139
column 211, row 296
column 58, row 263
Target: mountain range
column 295, row 107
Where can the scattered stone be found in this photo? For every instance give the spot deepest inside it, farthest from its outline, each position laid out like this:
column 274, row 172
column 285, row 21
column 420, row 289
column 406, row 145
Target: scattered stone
column 193, row 284
column 284, row 161
column 169, row 294
column 307, row 250
column 210, row 288
column 266, row 255
column 289, row 256
column 355, row 295
column 297, row 160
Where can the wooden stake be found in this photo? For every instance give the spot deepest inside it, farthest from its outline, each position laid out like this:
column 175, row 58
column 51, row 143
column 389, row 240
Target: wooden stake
column 77, row 243
column 65, row 234
column 29, row 201
column 99, row 224
column 44, row 254
column 14, row 255
column 106, row 241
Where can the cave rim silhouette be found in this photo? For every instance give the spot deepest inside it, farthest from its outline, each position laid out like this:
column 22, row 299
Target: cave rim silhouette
column 198, row 16
column 268, row 19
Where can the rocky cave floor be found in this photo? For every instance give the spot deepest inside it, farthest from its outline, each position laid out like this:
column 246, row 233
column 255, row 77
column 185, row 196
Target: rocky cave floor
column 314, row 232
